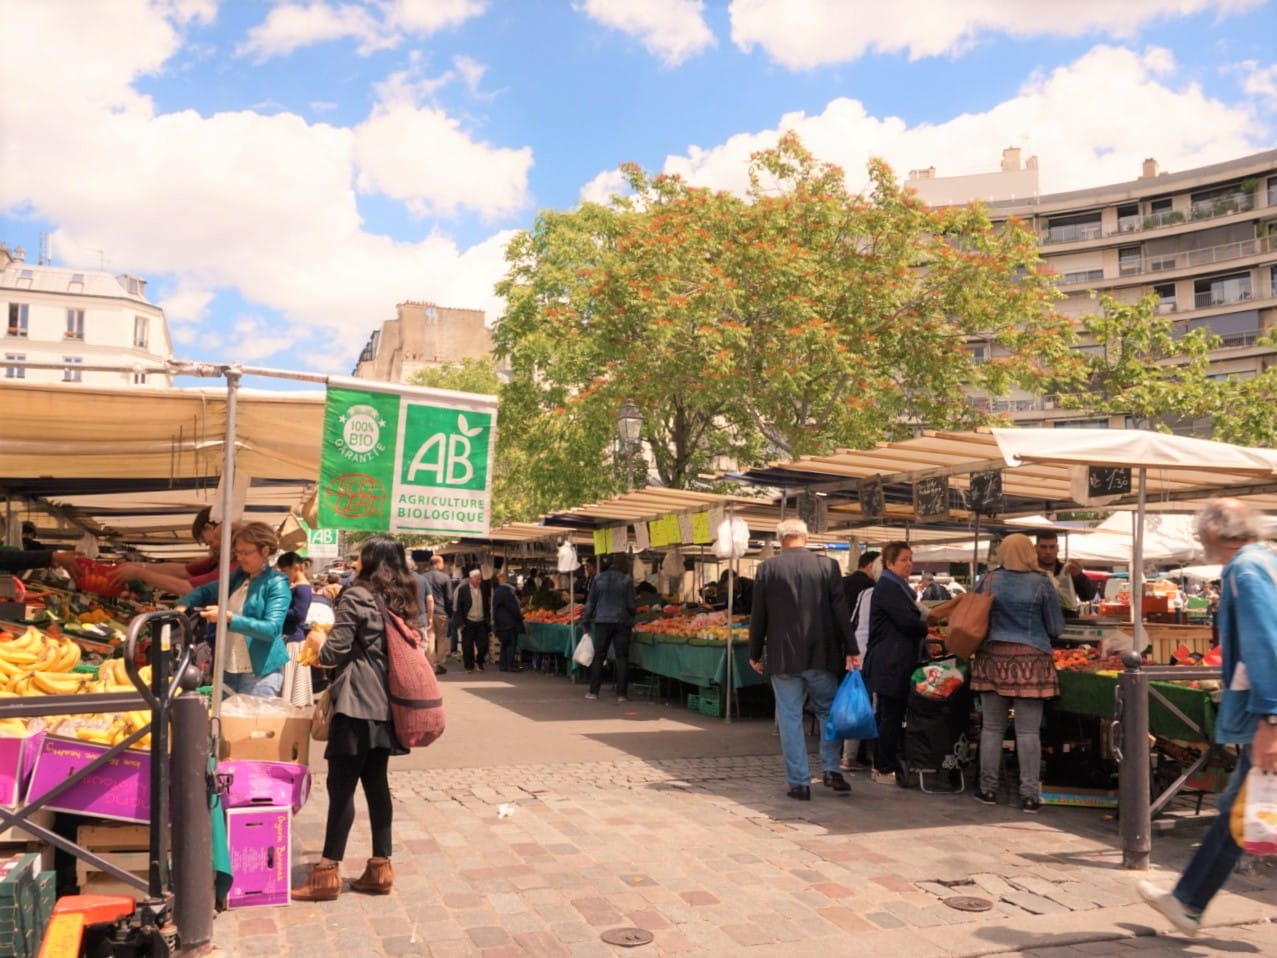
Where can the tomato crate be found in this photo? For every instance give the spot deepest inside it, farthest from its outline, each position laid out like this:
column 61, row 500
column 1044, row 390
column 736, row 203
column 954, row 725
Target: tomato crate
column 710, row 701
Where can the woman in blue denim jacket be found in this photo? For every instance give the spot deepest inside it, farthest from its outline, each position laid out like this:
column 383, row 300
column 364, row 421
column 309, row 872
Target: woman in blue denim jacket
column 1013, row 667
column 258, row 601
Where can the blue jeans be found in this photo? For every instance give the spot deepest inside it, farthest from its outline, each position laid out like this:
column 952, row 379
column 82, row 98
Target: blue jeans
column 791, row 691
column 246, row 683
column 1218, row 854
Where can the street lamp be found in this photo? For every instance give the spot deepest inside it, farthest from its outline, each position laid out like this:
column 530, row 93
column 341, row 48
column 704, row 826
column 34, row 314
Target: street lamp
column 629, row 423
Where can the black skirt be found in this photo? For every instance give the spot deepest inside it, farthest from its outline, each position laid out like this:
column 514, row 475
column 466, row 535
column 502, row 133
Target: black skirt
column 355, row 736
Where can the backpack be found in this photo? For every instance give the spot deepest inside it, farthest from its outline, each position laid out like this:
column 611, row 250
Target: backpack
column 416, row 705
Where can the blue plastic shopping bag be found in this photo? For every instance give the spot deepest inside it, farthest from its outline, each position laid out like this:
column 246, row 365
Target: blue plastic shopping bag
column 852, row 714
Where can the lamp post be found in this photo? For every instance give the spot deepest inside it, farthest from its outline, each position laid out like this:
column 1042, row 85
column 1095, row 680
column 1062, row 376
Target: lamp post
column 629, row 423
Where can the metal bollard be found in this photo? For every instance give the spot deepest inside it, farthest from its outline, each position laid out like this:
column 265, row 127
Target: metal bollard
column 192, row 826
column 1133, row 772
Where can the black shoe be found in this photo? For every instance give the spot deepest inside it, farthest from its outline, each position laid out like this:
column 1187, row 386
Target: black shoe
column 835, row 781
column 440, row 670
column 800, row 792
column 986, row 798
column 1031, row 805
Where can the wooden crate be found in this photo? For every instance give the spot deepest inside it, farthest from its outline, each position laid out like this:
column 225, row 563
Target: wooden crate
column 126, row 846
column 1166, row 638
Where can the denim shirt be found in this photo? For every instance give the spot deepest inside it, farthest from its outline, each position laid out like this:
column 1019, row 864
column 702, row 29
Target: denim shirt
column 1247, row 633
column 611, row 599
column 1025, row 608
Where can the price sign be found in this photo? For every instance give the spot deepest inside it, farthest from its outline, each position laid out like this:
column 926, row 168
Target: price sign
column 985, row 494
column 323, row 543
column 872, row 502
column 1108, row 480
column 931, row 499
column 813, row 510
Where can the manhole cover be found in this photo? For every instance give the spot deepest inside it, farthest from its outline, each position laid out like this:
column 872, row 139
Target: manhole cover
column 627, row 937
column 968, row 903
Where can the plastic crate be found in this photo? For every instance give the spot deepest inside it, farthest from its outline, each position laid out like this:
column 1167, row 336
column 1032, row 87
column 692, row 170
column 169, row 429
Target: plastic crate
column 640, row 690
column 694, row 703
column 710, row 702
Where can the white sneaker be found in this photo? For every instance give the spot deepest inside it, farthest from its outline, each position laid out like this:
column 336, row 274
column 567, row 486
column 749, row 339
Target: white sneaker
column 591, row 696
column 1171, row 908
column 883, row 778
column 620, row 699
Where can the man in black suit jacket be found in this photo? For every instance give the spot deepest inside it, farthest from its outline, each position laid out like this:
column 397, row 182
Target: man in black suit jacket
column 507, row 621
column 801, row 620
column 474, row 621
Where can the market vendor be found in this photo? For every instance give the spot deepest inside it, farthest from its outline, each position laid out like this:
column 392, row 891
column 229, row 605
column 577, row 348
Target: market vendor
column 1072, row 586
column 259, row 598
column 179, row 577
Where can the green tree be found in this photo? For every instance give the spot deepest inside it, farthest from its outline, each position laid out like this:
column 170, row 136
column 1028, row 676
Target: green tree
column 1246, row 412
column 1137, row 363
column 799, row 318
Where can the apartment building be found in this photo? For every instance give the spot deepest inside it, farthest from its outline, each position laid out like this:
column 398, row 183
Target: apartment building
column 421, row 336
column 74, row 318
column 1201, row 240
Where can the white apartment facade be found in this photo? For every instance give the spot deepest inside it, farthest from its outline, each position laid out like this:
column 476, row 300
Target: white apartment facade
column 1204, row 241
column 73, row 318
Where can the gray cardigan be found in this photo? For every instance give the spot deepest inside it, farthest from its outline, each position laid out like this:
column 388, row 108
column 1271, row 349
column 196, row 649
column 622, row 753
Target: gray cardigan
column 356, row 647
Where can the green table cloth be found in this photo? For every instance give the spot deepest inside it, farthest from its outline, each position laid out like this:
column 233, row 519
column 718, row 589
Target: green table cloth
column 1086, row 693
column 694, row 661
column 549, row 638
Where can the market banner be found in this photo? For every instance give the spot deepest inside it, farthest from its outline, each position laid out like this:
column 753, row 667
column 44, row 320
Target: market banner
column 405, row 459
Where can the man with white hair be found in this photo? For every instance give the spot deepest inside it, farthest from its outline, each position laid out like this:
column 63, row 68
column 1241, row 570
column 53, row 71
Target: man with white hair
column 801, row 621
column 473, row 617
column 1229, row 531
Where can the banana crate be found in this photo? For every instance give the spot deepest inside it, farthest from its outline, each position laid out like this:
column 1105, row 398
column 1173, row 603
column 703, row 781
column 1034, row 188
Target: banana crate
column 125, row 846
column 119, row 790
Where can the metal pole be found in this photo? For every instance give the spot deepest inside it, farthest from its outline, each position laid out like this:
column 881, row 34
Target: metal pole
column 1137, row 569
column 1133, row 771
column 731, row 591
column 192, row 822
column 224, row 559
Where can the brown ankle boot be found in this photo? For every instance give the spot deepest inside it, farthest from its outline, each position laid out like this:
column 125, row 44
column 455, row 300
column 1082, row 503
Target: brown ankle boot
column 377, row 879
column 322, row 884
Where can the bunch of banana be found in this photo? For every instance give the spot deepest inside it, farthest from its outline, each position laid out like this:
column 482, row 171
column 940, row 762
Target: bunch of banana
column 36, row 664
column 112, row 677
column 13, row 728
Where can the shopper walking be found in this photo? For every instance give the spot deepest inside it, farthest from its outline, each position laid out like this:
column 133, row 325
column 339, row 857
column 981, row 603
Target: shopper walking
column 609, row 618
column 474, row 621
column 1013, row 668
column 361, row 738
column 1229, row 531
column 801, row 624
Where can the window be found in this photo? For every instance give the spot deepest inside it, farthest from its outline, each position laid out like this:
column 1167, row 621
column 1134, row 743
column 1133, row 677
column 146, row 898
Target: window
column 1129, row 260
column 1128, row 219
column 141, row 326
column 1165, row 294
column 1233, row 329
column 18, row 315
column 1069, row 229
column 75, row 324
column 15, row 372
column 1162, row 213
column 134, row 286
column 76, row 285
column 139, row 379
column 1083, row 276
column 25, row 278
column 1081, row 424
column 1221, row 289
column 70, row 372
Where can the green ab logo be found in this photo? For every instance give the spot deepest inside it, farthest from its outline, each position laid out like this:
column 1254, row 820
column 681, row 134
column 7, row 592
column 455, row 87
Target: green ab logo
column 444, row 459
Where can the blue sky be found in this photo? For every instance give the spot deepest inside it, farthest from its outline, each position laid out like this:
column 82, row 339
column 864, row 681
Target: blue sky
column 284, row 173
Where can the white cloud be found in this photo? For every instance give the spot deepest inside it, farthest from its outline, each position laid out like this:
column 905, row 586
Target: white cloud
column 802, row 34
column 607, row 184
column 673, row 30
column 1078, row 146
column 1259, row 81
column 373, row 25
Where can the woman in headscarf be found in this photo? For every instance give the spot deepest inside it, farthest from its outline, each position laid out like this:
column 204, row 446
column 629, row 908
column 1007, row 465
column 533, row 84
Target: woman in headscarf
column 1013, row 667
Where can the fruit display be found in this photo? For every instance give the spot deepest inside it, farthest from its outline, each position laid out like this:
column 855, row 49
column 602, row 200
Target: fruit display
column 1085, row 658
column 710, row 626
column 562, row 617
column 102, row 728
column 35, row 663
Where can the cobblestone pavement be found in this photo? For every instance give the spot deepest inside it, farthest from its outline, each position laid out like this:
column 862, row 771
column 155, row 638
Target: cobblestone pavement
column 709, row 856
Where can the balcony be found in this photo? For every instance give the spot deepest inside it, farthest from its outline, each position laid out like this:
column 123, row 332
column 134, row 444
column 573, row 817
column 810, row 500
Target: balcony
column 1225, row 205
column 1221, row 297
column 1072, row 233
column 1192, row 259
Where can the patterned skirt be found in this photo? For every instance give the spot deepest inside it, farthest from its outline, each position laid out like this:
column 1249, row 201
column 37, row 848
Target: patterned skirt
column 1014, row 671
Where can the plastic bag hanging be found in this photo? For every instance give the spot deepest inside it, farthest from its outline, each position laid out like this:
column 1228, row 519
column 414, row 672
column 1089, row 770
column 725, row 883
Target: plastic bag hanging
column 567, row 557
column 733, row 539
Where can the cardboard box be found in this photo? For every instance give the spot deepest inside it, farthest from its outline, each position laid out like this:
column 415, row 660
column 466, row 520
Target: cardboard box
column 17, row 759
column 260, row 841
column 267, row 738
column 266, row 783
column 119, row 790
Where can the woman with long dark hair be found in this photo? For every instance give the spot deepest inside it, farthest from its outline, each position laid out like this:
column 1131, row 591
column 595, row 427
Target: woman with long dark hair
column 361, row 738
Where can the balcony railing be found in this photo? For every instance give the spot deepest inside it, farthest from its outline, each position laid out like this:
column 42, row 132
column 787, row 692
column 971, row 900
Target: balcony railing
column 1188, row 259
column 1220, row 297
column 1226, row 205
column 1072, row 233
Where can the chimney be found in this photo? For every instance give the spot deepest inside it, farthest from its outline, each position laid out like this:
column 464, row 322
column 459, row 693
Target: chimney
column 1031, row 163
column 1150, row 169
column 1010, row 159
column 928, row 174
column 19, row 254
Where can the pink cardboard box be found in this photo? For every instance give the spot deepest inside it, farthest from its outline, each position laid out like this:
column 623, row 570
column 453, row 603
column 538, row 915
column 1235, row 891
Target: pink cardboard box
column 17, row 759
column 261, row 850
column 266, row 783
column 120, row 789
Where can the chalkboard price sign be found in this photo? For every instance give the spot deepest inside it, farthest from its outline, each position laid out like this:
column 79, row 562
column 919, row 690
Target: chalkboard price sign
column 985, row 493
column 931, row 498
column 813, row 510
column 872, row 502
column 1108, row 480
